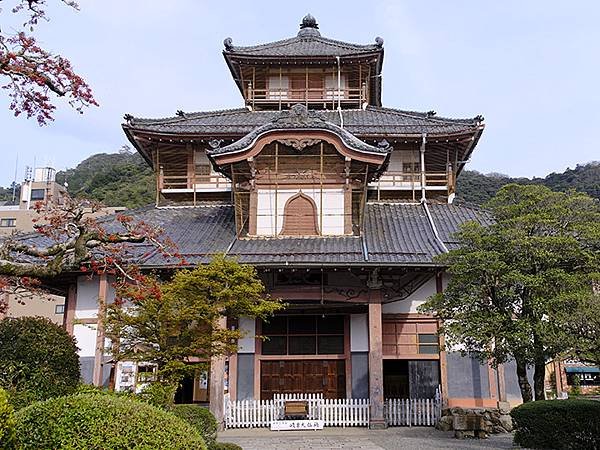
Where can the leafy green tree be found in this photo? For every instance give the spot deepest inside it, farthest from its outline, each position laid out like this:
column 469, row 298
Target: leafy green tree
column 38, row 360
column 512, row 282
column 177, row 325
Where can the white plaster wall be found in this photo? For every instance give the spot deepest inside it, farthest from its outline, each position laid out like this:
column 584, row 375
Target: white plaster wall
column 87, row 296
column 333, row 209
column 359, row 333
column 247, row 344
column 410, row 304
column 86, row 339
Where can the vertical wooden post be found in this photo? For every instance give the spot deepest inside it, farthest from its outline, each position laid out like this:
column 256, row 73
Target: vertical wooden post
column 501, row 383
column 99, row 355
column 376, row 421
column 275, row 233
column 69, row 317
column 321, row 191
column 439, row 287
column 558, row 378
column 217, row 383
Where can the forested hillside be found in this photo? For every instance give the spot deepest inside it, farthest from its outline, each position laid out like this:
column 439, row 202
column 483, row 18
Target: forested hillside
column 115, row 179
column 124, row 179
column 477, row 188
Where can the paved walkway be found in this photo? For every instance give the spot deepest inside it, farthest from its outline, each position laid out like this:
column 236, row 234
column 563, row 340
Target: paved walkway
column 417, row 438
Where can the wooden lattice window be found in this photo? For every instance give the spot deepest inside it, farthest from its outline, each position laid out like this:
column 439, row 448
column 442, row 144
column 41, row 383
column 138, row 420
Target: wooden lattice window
column 300, row 217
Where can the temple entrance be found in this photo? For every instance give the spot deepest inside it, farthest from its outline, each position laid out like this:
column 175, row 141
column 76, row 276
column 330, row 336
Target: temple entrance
column 410, row 379
column 327, row 377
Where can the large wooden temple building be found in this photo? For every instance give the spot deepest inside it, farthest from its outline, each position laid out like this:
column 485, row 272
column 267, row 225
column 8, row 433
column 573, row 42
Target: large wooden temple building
column 340, row 203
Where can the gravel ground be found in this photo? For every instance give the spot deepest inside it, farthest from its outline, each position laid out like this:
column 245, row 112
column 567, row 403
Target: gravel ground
column 417, row 438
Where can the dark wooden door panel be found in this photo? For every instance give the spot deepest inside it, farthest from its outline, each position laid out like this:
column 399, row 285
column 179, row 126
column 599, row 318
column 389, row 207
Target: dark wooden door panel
column 305, row 376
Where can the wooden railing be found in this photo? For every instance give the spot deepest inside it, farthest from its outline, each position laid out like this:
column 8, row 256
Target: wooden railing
column 170, row 179
column 403, row 180
column 287, row 96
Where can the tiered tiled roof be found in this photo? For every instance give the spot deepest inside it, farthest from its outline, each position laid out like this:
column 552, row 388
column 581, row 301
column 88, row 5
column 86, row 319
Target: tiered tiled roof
column 372, row 121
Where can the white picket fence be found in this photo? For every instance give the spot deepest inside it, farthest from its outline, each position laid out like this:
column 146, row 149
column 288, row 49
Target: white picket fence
column 413, row 411
column 343, row 412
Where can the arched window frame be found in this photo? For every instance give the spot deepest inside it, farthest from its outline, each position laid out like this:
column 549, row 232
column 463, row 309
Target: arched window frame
column 285, row 215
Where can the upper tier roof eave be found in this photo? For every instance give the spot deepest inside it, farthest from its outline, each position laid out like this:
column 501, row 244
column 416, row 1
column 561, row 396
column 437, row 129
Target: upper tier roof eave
column 241, row 120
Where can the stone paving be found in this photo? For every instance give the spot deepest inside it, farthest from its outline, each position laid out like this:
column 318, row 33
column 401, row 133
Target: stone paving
column 417, row 438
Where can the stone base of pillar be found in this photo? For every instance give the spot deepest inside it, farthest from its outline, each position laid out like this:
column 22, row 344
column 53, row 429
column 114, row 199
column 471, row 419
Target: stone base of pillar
column 377, row 424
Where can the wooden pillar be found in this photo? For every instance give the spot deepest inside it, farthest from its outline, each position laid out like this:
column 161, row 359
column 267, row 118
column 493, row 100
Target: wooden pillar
column 501, row 383
column 233, row 377
column 69, row 317
column 376, row 421
column 558, row 378
column 217, row 383
column 99, row 356
column 442, row 341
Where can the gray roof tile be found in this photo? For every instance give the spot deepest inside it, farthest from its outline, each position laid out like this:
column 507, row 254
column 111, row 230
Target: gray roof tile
column 370, row 121
column 395, row 233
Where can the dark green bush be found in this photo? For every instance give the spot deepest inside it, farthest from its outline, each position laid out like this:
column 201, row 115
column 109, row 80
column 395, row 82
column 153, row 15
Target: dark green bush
column 93, row 421
column 225, row 446
column 201, row 419
column 38, row 360
column 161, row 395
column 558, row 424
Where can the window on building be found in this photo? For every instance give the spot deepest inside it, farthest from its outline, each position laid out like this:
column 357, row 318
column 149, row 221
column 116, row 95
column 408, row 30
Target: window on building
column 38, row 194
column 300, row 217
column 278, row 87
column 59, row 309
column 331, row 87
column 428, row 344
column 8, row 222
column 303, row 335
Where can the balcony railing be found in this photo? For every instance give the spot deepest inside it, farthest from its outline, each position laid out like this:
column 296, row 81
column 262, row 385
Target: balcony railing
column 328, row 97
column 408, row 181
column 193, row 182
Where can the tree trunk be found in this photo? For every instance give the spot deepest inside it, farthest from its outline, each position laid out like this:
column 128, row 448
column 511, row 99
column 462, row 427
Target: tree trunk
column 524, row 385
column 539, row 376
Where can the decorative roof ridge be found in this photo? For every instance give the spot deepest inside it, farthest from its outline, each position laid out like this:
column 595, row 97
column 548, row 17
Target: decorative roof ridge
column 198, row 205
column 181, row 116
column 281, row 238
column 232, row 49
column 299, row 117
column 431, row 115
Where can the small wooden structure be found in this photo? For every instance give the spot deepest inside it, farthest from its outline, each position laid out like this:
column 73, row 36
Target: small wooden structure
column 296, row 409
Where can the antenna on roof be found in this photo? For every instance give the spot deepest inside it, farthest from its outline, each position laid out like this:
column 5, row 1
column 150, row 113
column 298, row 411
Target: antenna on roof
column 14, row 193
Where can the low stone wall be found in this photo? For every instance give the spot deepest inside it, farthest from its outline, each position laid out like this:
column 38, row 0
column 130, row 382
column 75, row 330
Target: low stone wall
column 476, row 422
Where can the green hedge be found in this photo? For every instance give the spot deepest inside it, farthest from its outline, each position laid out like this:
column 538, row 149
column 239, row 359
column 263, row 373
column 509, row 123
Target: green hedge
column 38, row 360
column 558, row 424
column 7, row 421
column 225, row 446
column 201, row 419
column 104, row 422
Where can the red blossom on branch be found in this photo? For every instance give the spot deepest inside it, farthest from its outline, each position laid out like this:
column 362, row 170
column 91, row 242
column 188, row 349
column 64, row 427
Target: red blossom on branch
column 33, row 75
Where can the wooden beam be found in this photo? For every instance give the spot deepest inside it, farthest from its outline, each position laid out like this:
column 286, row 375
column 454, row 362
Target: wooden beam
column 376, row 421
column 69, row 317
column 99, row 355
column 217, row 384
column 442, row 342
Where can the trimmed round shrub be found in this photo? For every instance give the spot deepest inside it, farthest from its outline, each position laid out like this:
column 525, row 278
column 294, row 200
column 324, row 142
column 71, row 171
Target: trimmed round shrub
column 38, row 360
column 557, row 424
column 102, row 422
column 201, row 419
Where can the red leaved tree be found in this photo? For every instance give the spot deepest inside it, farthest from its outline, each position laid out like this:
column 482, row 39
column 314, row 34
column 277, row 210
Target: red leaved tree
column 34, row 75
column 72, row 237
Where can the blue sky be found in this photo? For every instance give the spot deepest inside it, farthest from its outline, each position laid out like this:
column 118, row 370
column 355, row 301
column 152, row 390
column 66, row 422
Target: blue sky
column 531, row 68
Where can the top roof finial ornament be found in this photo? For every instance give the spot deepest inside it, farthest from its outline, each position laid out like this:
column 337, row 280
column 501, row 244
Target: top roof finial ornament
column 309, row 26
